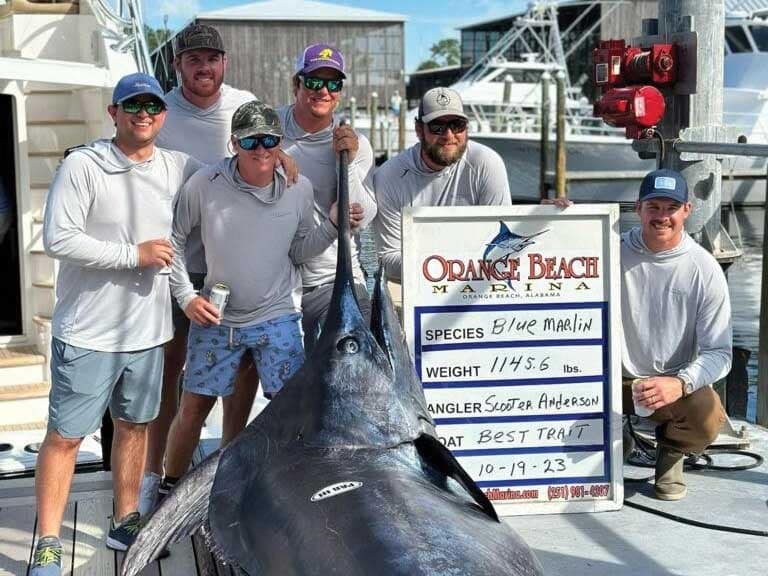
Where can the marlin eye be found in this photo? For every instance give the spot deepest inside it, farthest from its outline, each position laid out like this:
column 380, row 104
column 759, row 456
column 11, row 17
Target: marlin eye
column 348, row 346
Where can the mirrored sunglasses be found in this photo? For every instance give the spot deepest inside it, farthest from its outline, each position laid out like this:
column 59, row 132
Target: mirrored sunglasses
column 317, row 84
column 267, row 142
column 151, row 107
column 457, row 126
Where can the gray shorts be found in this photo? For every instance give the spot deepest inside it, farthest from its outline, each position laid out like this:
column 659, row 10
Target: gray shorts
column 314, row 306
column 86, row 382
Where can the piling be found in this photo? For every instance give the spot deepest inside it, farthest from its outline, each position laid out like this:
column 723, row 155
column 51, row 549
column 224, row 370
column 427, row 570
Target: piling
column 560, row 136
column 544, row 142
column 762, row 351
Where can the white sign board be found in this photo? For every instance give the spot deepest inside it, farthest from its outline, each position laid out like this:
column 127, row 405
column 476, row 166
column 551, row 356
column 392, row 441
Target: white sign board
column 512, row 315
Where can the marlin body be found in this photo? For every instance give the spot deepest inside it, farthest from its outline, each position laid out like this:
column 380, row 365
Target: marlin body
column 507, row 242
column 342, row 473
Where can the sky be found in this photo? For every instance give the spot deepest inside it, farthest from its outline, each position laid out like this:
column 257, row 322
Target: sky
column 428, row 20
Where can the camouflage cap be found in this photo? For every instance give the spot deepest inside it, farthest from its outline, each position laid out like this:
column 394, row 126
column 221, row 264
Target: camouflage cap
column 197, row 36
column 254, row 118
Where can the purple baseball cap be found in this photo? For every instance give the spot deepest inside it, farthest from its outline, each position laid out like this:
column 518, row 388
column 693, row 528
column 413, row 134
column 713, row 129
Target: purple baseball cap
column 317, row 56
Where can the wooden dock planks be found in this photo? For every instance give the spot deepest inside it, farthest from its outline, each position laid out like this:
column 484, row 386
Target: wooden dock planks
column 17, row 527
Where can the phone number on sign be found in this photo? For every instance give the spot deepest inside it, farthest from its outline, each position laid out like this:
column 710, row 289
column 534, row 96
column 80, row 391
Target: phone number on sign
column 577, row 492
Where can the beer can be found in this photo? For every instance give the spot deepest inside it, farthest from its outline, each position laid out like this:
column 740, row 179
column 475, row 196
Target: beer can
column 219, row 297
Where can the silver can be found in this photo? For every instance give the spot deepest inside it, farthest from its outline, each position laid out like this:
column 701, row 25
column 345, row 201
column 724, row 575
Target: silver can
column 219, row 297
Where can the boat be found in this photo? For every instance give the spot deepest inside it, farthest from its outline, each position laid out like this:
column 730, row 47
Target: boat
column 59, row 62
column 503, row 97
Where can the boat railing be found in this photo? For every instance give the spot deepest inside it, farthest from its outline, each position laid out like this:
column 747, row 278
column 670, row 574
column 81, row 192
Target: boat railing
column 127, row 17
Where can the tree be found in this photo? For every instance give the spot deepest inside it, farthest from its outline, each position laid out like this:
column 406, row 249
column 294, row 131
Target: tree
column 445, row 52
column 156, row 36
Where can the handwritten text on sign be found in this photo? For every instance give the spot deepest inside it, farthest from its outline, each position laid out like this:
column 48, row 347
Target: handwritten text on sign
column 510, row 320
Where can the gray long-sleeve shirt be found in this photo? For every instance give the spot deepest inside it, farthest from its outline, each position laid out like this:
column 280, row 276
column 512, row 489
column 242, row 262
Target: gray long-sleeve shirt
column 101, row 205
column 254, row 240
column 317, row 161
column 203, row 133
column 479, row 178
column 676, row 312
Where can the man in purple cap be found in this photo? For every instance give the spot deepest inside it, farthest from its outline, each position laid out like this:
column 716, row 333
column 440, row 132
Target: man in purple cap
column 313, row 136
column 676, row 329
column 108, row 222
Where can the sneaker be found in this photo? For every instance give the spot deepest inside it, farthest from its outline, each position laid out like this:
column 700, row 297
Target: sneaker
column 148, row 494
column 122, row 534
column 47, row 559
column 165, row 487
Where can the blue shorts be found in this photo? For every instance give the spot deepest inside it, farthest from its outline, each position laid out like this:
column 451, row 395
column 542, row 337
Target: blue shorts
column 214, row 354
column 85, row 382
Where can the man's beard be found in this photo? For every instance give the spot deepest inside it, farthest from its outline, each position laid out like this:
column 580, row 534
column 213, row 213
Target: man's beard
column 440, row 155
column 204, row 93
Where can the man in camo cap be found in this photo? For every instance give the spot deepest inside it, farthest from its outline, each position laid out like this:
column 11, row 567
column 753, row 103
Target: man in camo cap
column 255, row 235
column 198, row 123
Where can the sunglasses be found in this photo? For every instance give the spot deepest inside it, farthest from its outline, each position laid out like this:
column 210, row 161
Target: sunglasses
column 457, row 126
column 267, row 142
column 151, row 107
column 317, row 84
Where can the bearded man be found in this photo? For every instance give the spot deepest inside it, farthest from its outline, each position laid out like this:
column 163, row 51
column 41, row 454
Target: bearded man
column 443, row 169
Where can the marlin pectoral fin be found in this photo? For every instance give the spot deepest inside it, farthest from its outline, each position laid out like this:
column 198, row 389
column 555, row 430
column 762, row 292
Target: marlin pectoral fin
column 440, row 458
column 181, row 513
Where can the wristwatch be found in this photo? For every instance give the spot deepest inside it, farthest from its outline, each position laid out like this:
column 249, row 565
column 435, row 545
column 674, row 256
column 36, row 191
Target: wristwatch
column 685, row 386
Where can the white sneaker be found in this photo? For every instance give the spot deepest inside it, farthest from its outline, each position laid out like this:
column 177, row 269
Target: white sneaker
column 148, row 493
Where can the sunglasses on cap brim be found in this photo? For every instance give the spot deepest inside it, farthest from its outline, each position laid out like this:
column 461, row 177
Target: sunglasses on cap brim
column 267, row 141
column 151, row 107
column 316, row 84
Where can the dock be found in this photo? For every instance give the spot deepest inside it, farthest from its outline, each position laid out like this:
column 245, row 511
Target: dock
column 629, row 542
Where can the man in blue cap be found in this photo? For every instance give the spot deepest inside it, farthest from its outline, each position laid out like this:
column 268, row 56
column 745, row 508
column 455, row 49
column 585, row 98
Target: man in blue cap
column 676, row 328
column 108, row 222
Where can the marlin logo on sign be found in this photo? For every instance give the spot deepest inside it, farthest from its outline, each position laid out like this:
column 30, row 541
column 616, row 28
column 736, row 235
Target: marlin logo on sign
column 507, row 242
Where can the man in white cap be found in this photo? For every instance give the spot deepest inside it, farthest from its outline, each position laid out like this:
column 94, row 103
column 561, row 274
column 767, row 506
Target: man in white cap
column 443, row 169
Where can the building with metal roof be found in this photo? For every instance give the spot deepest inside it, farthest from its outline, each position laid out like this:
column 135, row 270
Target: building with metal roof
column 264, row 40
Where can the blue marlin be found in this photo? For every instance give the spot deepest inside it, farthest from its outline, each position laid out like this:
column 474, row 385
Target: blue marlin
column 508, row 242
column 342, row 473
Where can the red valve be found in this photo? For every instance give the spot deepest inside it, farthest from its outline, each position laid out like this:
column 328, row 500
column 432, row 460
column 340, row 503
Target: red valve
column 635, row 108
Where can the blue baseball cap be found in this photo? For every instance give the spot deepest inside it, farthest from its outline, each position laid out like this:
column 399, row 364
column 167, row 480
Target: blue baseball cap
column 136, row 84
column 664, row 183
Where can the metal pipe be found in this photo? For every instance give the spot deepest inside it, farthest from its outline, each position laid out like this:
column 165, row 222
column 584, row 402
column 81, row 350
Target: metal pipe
column 374, row 109
column 544, row 141
column 401, row 126
column 722, row 149
column 762, row 350
column 560, row 142
column 352, row 111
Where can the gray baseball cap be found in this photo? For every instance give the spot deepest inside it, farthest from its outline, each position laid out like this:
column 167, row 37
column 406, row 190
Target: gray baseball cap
column 254, row 118
column 197, row 36
column 440, row 102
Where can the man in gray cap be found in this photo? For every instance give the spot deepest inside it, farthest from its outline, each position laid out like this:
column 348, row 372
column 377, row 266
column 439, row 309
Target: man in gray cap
column 241, row 203
column 443, row 169
column 108, row 222
column 313, row 137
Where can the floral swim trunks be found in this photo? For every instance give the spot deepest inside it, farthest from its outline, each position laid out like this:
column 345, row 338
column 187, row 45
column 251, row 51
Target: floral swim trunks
column 214, row 354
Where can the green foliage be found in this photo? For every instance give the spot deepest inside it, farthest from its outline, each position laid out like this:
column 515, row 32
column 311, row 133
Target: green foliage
column 445, row 52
